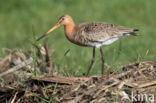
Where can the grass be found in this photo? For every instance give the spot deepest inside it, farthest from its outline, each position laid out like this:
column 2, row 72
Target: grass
column 18, row 18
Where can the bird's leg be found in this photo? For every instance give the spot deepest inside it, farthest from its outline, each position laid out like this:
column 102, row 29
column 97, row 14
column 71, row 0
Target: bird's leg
column 92, row 62
column 103, row 61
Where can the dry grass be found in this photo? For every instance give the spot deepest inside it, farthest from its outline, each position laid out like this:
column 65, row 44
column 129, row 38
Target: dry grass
column 28, row 83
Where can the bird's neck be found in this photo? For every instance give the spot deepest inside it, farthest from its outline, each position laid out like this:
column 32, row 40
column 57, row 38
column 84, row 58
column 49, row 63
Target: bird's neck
column 69, row 29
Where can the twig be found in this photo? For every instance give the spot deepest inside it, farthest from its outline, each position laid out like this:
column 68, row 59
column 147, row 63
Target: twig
column 47, row 56
column 14, row 97
column 64, row 80
column 147, row 84
column 104, row 87
column 121, row 74
column 15, row 68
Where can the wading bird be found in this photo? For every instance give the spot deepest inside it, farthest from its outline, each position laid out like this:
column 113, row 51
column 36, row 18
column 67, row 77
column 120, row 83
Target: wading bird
column 91, row 34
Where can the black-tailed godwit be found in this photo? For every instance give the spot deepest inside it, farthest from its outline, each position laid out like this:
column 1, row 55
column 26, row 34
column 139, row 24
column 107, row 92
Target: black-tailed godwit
column 92, row 34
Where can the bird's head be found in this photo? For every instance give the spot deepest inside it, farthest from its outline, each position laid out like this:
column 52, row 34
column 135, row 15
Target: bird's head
column 63, row 20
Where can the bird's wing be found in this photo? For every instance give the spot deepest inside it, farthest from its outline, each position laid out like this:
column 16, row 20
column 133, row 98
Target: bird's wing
column 99, row 31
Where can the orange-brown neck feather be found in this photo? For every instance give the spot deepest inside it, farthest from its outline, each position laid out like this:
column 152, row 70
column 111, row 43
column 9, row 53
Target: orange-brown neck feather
column 69, row 29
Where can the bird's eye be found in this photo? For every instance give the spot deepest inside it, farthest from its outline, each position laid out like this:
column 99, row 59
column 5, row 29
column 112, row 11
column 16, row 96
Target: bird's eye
column 62, row 18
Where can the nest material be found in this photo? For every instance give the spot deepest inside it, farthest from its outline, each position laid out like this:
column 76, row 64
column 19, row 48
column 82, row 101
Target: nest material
column 139, row 78
column 136, row 78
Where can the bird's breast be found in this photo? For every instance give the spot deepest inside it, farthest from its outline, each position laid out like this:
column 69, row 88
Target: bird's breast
column 75, row 37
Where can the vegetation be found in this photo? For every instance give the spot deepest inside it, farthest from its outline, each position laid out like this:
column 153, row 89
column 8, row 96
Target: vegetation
column 20, row 19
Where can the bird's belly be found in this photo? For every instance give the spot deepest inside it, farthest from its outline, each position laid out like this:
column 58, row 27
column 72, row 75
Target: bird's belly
column 109, row 41
column 105, row 42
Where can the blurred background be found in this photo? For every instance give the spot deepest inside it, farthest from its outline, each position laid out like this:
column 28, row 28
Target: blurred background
column 20, row 18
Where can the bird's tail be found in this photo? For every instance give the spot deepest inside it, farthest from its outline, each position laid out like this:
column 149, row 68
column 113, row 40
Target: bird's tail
column 135, row 30
column 133, row 33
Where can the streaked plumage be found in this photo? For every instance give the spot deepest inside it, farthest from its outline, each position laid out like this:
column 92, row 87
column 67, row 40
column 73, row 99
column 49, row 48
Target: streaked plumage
column 93, row 34
column 97, row 34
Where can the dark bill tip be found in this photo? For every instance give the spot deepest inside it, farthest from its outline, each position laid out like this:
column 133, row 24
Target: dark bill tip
column 41, row 37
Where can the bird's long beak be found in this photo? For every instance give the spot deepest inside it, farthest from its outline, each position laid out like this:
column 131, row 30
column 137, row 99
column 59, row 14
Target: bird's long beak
column 52, row 29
